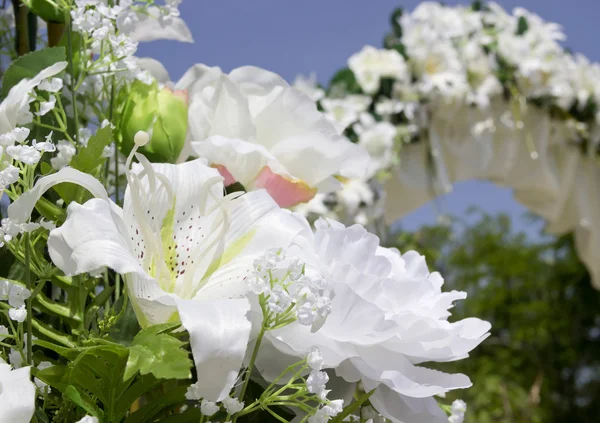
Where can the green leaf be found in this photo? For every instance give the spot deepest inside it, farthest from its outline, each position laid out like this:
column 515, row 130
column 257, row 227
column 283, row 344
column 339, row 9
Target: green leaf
column 157, row 353
column 149, row 412
column 90, row 157
column 395, row 21
column 522, row 25
column 127, row 327
column 83, row 400
column 346, row 79
column 30, row 65
column 54, row 376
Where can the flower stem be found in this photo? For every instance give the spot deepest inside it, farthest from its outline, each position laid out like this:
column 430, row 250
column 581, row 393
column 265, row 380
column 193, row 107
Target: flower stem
column 250, row 367
column 29, row 300
column 69, row 28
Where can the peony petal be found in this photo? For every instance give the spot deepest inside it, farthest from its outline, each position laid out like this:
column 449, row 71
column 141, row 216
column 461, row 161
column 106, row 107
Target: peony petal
column 400, row 375
column 196, row 78
column 219, row 109
column 401, row 409
column 284, row 191
column 243, row 160
column 219, row 334
column 229, row 179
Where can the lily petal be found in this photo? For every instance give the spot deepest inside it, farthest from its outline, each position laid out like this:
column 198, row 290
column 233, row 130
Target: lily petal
column 90, row 240
column 21, row 209
column 219, row 333
column 17, row 395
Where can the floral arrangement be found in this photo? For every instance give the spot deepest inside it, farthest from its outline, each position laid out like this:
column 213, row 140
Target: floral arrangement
column 470, row 92
column 151, row 270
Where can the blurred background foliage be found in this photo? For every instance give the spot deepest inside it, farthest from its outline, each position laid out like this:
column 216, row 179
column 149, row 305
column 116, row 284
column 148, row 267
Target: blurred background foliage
column 542, row 360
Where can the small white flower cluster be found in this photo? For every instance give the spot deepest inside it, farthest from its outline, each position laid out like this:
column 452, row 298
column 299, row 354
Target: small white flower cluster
column 16, row 296
column 315, row 384
column 281, row 281
column 210, row 408
column 358, row 201
column 371, row 65
column 458, row 410
column 14, row 145
column 111, row 28
column 108, row 28
column 9, row 229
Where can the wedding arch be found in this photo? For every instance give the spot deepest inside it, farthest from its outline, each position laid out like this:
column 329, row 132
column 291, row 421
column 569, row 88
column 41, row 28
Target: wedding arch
column 462, row 93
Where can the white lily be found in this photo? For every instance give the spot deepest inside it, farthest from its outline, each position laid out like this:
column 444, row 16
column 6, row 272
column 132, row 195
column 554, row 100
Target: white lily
column 17, row 394
column 185, row 250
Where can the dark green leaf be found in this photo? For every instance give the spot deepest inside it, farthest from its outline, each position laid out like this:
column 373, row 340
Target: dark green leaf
column 30, row 65
column 522, row 25
column 83, row 400
column 345, row 78
column 127, row 327
column 149, row 412
column 54, row 376
column 191, row 415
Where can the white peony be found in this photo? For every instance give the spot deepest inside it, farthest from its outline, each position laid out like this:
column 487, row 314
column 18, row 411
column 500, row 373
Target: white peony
column 259, row 131
column 388, row 316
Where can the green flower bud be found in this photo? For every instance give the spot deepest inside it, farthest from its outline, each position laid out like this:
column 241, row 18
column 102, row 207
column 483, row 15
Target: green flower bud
column 162, row 113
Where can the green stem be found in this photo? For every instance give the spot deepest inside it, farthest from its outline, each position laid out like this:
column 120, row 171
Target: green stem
column 29, row 300
column 250, row 367
column 69, row 26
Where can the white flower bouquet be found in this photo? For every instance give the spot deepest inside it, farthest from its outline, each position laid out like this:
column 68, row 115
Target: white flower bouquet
column 151, row 270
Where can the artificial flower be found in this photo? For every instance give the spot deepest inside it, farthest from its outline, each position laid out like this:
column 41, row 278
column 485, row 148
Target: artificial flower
column 388, row 316
column 14, row 109
column 17, row 394
column 262, row 133
column 371, row 64
column 184, row 248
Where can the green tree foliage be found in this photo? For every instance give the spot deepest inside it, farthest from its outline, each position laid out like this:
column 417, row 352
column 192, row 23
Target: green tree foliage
column 542, row 360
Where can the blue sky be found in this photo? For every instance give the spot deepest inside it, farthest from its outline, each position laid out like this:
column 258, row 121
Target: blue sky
column 290, row 37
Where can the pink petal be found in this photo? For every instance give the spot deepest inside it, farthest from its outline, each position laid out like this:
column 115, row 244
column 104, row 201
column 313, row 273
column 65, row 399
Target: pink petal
column 285, row 192
column 229, row 179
